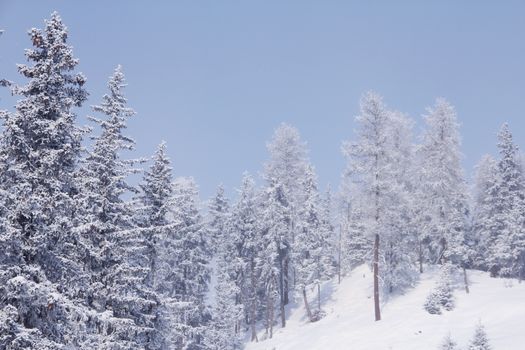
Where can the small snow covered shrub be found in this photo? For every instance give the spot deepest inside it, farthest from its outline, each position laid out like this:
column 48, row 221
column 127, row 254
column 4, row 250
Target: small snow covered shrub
column 480, row 340
column 442, row 297
column 448, row 344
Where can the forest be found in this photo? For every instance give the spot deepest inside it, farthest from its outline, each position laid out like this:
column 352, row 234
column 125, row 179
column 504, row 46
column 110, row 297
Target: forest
column 91, row 260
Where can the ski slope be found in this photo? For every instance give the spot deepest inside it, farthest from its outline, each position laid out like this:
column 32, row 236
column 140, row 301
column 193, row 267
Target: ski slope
column 498, row 303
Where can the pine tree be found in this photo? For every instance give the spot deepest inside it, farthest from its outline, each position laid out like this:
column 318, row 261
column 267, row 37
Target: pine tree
column 480, row 340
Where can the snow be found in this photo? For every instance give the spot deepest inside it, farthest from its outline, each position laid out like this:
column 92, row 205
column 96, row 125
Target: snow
column 499, row 304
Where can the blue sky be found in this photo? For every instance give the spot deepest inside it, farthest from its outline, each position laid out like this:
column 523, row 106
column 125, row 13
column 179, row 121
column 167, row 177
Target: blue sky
column 215, row 78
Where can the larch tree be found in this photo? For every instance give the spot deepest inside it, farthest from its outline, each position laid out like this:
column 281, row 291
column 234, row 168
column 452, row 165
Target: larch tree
column 368, row 166
column 442, row 195
column 288, row 158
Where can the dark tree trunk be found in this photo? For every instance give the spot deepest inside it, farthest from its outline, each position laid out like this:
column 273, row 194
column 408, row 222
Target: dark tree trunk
column 319, row 297
column 465, row 278
column 420, row 257
column 376, row 279
column 339, row 254
column 286, row 285
column 253, row 311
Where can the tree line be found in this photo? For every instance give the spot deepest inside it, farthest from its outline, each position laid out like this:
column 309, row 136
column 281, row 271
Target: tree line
column 89, row 260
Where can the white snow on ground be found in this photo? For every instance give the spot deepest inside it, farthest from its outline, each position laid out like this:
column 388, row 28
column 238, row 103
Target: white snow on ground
column 498, row 303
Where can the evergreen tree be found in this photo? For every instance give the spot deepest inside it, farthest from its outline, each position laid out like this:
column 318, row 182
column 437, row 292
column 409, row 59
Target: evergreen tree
column 154, row 216
column 507, row 251
column 484, row 228
column 480, row 340
column 312, row 248
column 218, row 216
column 42, row 281
column 448, row 344
column 224, row 331
column 245, row 237
column 190, row 255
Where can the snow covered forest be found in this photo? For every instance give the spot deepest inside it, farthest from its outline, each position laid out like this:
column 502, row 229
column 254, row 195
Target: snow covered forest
column 91, row 260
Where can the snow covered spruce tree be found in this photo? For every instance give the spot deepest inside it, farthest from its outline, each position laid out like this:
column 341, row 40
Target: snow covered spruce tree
column 480, row 340
column 154, row 215
column 312, row 246
column 189, row 272
column 373, row 170
column 442, row 196
column 224, row 331
column 273, row 243
column 218, row 217
column 448, row 344
column 245, row 237
column 42, row 282
column 506, row 244
column 484, row 227
column 117, row 253
column 288, row 158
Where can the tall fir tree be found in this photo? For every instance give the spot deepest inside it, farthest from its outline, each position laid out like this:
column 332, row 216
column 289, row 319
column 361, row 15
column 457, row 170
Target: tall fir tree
column 42, row 281
column 190, row 254
column 245, row 236
column 154, row 215
column 507, row 251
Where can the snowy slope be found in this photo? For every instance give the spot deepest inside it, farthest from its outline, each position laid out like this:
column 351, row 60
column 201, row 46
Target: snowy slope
column 498, row 303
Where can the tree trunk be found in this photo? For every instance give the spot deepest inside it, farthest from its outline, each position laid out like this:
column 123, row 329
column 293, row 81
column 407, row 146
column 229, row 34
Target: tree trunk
column 286, row 279
column 281, row 290
column 376, row 278
column 253, row 313
column 319, row 297
column 283, row 315
column 420, row 257
column 307, row 307
column 466, row 280
column 339, row 254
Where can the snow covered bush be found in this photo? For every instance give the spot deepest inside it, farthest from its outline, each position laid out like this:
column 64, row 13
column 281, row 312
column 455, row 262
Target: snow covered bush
column 480, row 340
column 448, row 344
column 442, row 297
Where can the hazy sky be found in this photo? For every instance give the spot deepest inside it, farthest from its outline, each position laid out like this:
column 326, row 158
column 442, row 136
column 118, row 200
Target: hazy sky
column 215, row 78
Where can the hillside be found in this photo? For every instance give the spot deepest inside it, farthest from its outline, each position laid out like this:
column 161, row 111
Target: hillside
column 498, row 303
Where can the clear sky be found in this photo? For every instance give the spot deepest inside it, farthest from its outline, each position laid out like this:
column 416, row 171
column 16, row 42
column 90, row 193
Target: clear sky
column 215, row 78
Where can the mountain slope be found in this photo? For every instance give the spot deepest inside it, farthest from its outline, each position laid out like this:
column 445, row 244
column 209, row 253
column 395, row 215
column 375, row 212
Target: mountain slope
column 498, row 303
